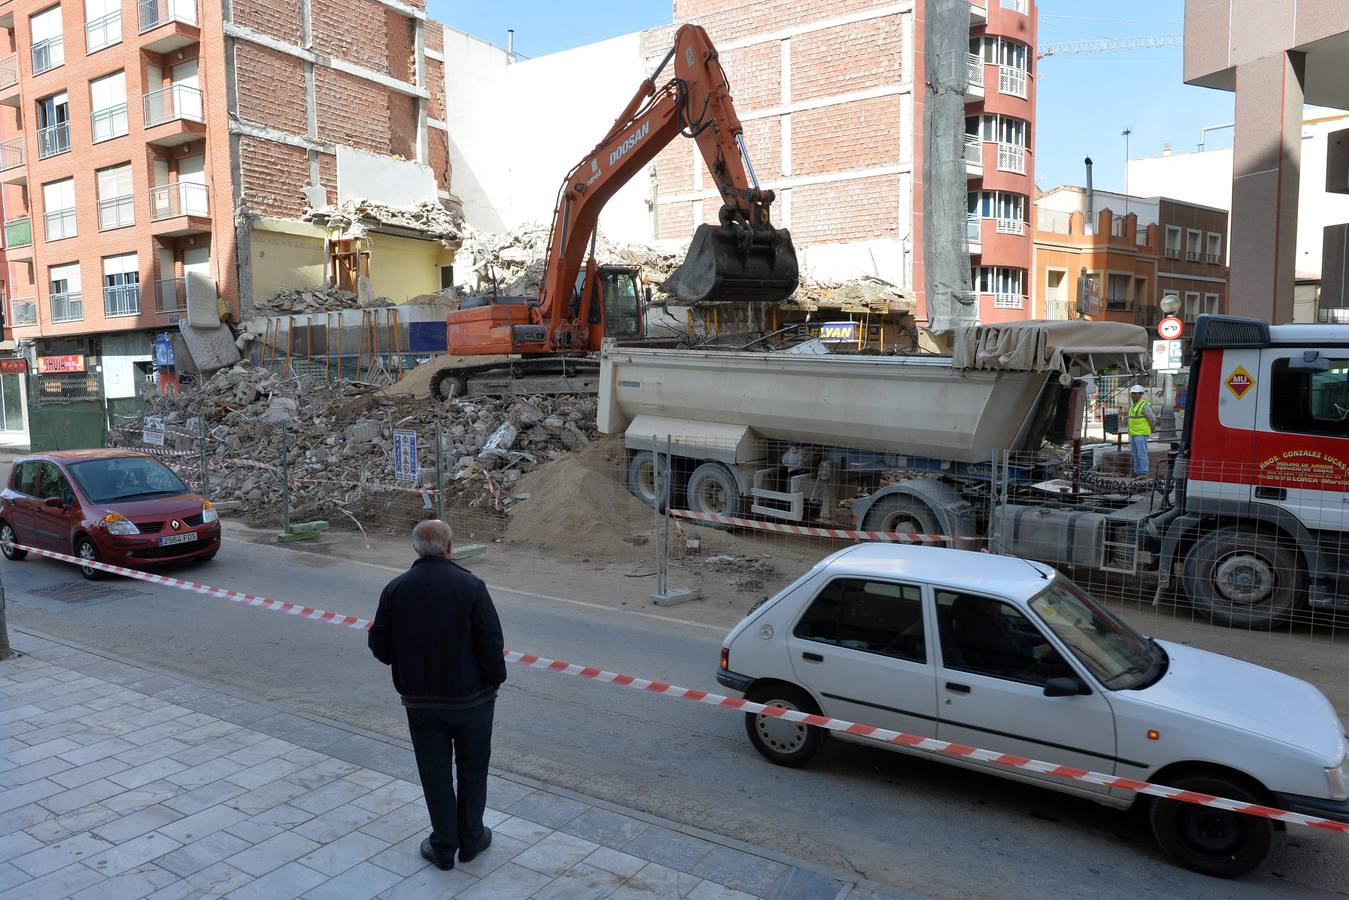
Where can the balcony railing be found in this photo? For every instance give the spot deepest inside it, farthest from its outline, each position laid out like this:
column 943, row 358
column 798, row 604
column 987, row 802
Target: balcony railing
column 178, row 198
column 1172, row 253
column 116, row 212
column 1012, row 158
column 103, row 32
column 972, row 229
column 170, row 295
column 1194, row 255
column 109, row 123
column 153, row 13
column 1056, row 308
column 1011, row 226
column 1009, row 301
column 11, row 154
column 18, row 233
column 59, row 224
column 122, row 300
column 1011, row 80
column 177, row 101
column 48, row 54
column 1021, row 6
column 974, row 149
column 976, row 70
column 1116, row 303
column 67, row 306
column 1215, row 257
column 9, row 71
column 24, row 311
column 53, row 140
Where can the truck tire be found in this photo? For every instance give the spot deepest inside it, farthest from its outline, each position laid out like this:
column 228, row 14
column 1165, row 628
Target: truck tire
column 712, row 489
column 784, row 743
column 1211, row 841
column 447, row 385
column 901, row 513
column 1243, row 577
column 642, row 478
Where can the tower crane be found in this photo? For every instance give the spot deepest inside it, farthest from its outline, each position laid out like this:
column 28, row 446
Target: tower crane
column 1112, row 45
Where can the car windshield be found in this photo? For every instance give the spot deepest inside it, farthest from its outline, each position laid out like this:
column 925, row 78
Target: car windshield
column 1118, row 656
column 125, row 478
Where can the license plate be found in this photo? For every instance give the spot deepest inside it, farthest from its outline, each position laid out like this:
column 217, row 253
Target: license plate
column 172, row 539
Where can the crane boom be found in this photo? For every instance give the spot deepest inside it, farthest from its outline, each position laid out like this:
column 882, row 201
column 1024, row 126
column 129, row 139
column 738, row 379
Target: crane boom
column 1113, row 45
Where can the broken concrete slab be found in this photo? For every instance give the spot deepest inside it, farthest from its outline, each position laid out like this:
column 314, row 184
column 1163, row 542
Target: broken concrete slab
column 210, row 348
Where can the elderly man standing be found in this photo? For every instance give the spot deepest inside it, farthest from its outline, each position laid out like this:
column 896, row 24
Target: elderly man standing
column 436, row 626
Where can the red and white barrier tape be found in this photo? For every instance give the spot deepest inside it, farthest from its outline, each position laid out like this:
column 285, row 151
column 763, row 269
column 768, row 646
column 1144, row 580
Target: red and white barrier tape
column 842, row 534
column 660, row 688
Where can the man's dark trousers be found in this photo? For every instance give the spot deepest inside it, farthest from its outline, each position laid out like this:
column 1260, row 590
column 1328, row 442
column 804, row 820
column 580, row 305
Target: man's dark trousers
column 463, row 736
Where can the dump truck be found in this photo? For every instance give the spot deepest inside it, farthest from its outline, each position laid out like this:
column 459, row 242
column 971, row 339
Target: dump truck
column 1247, row 510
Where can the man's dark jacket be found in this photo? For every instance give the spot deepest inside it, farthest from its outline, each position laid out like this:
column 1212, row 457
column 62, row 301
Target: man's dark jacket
column 436, row 626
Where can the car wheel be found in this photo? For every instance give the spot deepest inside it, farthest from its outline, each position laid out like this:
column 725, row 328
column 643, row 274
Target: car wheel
column 642, row 480
column 85, row 549
column 1242, row 577
column 8, row 538
column 780, row 741
column 1211, row 841
column 712, row 489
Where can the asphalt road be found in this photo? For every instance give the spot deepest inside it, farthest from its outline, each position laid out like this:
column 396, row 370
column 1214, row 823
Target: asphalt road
column 912, row 823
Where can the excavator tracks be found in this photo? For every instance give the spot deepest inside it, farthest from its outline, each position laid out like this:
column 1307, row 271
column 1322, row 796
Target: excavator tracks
column 540, row 375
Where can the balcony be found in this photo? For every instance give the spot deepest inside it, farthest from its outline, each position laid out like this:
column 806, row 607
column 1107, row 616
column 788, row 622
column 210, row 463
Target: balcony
column 108, row 123
column 974, row 156
column 1215, row 258
column 103, row 32
column 167, row 24
column 1012, row 81
column 1172, row 253
column 12, row 168
column 1056, row 308
column 48, row 54
column 122, row 300
column 173, row 115
column 1009, row 301
column 1194, row 256
column 973, row 237
column 1117, row 303
column 1011, row 226
column 67, row 306
column 9, row 80
column 179, row 208
column 1012, row 158
column 170, row 295
column 1021, row 6
column 18, row 233
column 974, row 86
column 23, row 311
column 116, row 212
column 59, row 224
column 53, row 140
column 978, row 13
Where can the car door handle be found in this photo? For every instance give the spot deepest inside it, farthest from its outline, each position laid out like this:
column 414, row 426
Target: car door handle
column 957, row 688
column 812, row 657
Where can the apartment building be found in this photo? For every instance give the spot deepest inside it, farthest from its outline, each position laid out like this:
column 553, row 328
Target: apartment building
column 141, row 141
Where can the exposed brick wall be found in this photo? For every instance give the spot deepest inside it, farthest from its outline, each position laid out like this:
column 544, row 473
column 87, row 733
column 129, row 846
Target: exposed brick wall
column 727, row 20
column 328, row 175
column 402, row 45
column 272, row 177
column 755, row 75
column 438, row 147
column 403, row 125
column 674, row 220
column 435, row 84
column 270, row 87
column 846, row 58
column 855, row 210
column 674, row 167
column 277, row 19
column 354, row 30
column 856, row 135
column 433, row 35
column 353, row 111
column 763, row 140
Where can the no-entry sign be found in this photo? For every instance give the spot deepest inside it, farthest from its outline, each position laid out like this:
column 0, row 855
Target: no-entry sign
column 1170, row 328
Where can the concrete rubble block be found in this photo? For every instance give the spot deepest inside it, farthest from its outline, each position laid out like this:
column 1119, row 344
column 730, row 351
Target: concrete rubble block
column 210, row 348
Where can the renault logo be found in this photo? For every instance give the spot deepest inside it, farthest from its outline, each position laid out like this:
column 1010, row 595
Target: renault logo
column 174, row 525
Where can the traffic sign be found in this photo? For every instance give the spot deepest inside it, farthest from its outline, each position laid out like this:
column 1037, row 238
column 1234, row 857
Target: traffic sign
column 1170, row 328
column 1167, row 357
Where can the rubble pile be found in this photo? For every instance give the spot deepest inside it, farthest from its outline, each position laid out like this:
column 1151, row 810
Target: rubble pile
column 355, row 217
column 339, row 441
column 866, row 294
column 512, row 263
column 312, row 300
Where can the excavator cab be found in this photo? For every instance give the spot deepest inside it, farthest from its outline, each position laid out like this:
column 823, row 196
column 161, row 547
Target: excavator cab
column 735, row 262
column 615, row 301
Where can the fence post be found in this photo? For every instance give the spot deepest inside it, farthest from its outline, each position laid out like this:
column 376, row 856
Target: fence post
column 656, row 534
column 201, row 442
column 285, row 477
column 5, row 649
column 440, row 472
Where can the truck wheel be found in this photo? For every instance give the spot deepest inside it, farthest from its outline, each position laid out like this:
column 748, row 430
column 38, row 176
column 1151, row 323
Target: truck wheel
column 712, row 489
column 642, row 478
column 446, row 385
column 1242, row 577
column 899, row 513
column 1211, row 841
column 786, row 743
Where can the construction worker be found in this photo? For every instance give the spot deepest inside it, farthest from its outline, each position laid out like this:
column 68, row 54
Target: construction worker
column 1142, row 421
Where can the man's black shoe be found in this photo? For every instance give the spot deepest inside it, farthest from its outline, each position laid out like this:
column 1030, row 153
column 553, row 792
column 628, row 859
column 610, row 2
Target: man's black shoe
column 429, row 854
column 469, row 856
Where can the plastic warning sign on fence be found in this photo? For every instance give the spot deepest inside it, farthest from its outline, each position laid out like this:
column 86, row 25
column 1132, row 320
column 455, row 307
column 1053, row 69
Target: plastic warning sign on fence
column 404, row 454
column 153, row 432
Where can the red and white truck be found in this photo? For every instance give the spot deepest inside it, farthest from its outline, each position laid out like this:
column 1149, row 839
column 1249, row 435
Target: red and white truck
column 1248, row 512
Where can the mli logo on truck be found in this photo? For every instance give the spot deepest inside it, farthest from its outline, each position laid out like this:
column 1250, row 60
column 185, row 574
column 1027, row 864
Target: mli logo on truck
column 1239, row 382
column 630, row 142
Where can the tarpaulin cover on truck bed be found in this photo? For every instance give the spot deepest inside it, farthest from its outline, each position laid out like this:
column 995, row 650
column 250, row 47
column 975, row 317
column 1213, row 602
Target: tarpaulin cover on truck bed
column 1076, row 347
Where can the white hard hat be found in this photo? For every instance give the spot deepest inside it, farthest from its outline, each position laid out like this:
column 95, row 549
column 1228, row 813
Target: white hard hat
column 1138, row 389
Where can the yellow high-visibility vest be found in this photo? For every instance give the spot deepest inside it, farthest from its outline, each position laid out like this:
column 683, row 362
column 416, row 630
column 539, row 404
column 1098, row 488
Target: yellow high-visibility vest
column 1138, row 420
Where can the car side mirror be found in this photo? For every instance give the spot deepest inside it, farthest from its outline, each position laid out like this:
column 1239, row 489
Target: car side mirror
column 1065, row 687
column 1309, row 361
column 54, row 502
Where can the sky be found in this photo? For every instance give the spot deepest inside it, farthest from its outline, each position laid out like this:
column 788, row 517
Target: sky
column 1085, row 101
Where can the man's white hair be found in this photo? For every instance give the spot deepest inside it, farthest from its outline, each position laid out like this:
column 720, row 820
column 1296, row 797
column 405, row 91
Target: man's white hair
column 431, row 537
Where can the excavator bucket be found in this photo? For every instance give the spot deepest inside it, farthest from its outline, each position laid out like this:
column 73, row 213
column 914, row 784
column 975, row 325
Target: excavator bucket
column 735, row 264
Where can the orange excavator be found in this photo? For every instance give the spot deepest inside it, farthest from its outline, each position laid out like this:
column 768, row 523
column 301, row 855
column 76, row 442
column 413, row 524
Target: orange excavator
column 544, row 340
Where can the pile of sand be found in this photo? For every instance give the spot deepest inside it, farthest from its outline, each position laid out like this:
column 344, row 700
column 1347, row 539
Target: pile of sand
column 417, row 382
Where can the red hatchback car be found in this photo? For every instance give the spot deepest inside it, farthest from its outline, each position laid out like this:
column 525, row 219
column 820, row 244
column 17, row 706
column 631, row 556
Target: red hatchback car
column 112, row 506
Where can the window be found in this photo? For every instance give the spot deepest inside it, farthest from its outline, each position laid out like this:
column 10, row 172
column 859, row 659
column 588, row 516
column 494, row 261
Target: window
column 1215, row 247
column 121, row 285
column 107, row 99
column 125, row 477
column 1191, row 305
column 446, row 277
column 1003, row 129
column 25, row 479
column 53, row 125
column 989, row 637
column 48, row 46
column 1310, row 402
column 115, row 206
column 1172, row 242
column 102, row 24
column 1118, row 656
column 1211, row 302
column 55, row 484
column 58, row 206
column 1118, row 291
column 872, row 616
column 1007, row 285
column 64, row 288
column 1192, row 247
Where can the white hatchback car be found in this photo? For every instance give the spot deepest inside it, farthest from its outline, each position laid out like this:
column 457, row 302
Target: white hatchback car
column 1000, row 653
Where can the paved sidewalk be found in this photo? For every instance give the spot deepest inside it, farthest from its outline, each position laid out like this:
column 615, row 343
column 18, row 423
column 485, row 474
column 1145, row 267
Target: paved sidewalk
column 116, row 781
